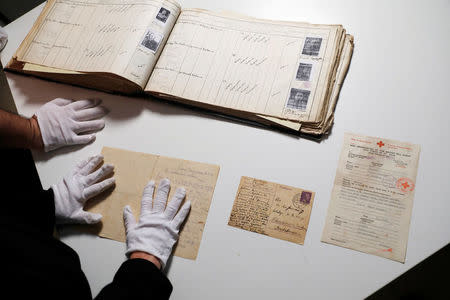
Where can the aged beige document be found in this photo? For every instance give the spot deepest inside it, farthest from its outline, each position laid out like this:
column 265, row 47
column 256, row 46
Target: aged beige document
column 372, row 198
column 133, row 170
column 280, row 74
column 272, row 209
column 272, row 68
column 83, row 35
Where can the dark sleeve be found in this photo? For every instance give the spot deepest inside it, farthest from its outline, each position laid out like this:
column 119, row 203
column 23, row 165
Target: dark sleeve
column 137, row 279
column 26, row 203
column 37, row 266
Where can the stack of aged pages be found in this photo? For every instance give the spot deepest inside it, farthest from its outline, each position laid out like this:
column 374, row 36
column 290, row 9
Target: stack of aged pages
column 281, row 74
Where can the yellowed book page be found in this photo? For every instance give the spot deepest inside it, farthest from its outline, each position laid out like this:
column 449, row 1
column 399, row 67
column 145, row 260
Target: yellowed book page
column 39, row 68
column 372, row 198
column 294, row 125
column 278, row 69
column 124, row 37
column 343, row 66
column 272, row 209
column 133, row 170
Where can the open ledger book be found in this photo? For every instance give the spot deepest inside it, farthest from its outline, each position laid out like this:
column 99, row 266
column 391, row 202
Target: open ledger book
column 282, row 74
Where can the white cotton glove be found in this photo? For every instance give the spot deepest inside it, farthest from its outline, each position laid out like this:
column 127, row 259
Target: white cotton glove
column 62, row 122
column 79, row 186
column 157, row 230
column 3, row 38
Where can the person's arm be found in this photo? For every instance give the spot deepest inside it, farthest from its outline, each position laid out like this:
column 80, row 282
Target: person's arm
column 144, row 255
column 137, row 279
column 149, row 245
column 19, row 132
column 58, row 123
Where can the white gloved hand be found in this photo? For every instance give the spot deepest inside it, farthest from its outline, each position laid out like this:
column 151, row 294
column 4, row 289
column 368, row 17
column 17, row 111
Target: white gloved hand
column 62, row 122
column 79, row 186
column 3, row 38
column 157, row 230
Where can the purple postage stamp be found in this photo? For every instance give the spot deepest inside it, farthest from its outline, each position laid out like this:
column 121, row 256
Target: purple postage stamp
column 305, row 198
column 301, row 199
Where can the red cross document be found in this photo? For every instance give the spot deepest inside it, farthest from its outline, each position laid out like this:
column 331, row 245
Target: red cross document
column 372, row 197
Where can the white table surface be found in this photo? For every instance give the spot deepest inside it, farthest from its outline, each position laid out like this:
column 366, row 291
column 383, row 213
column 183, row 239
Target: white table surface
column 397, row 88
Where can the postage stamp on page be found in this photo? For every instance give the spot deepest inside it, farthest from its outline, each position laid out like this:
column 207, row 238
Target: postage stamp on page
column 301, row 199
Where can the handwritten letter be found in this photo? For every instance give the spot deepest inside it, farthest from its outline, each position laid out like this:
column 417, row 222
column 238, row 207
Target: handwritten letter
column 132, row 172
column 272, row 209
column 372, row 197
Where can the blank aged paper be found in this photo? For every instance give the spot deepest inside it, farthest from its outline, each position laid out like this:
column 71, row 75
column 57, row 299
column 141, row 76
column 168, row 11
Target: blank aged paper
column 272, row 209
column 372, row 198
column 68, row 39
column 247, row 64
column 133, row 170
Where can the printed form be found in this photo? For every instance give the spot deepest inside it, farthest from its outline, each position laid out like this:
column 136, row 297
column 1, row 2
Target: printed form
column 372, row 198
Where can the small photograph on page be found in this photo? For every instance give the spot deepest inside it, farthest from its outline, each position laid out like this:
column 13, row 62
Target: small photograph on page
column 312, row 46
column 163, row 14
column 304, row 72
column 298, row 99
column 152, row 40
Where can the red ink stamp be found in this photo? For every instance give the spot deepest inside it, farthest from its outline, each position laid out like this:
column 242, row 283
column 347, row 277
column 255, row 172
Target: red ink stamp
column 405, row 184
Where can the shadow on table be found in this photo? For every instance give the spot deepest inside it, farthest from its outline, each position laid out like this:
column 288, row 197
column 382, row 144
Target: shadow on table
column 39, row 91
column 163, row 107
column 429, row 279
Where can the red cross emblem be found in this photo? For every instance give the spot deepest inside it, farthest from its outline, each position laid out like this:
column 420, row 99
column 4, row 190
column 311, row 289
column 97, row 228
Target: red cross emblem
column 380, row 144
column 405, row 185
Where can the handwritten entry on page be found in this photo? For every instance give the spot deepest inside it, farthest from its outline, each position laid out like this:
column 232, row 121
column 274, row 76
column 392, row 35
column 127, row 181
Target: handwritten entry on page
column 372, row 198
column 133, row 170
column 272, row 209
column 245, row 64
column 101, row 36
